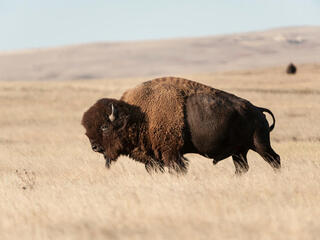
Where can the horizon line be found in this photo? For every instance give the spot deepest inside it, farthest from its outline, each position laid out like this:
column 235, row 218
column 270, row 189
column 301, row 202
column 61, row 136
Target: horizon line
column 78, row 44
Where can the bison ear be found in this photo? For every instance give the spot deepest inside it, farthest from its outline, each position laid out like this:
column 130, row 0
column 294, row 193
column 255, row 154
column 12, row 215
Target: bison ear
column 113, row 114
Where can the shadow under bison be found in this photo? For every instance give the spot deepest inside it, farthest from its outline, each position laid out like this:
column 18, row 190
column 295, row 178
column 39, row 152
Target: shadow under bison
column 159, row 121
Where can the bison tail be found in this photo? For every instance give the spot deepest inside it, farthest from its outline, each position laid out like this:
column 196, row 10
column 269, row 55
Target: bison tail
column 274, row 120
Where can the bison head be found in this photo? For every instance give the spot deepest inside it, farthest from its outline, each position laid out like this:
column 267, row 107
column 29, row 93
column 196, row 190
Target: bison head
column 106, row 124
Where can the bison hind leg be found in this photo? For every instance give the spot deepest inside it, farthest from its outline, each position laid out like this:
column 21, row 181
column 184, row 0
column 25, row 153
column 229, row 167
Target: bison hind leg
column 240, row 162
column 271, row 157
column 263, row 147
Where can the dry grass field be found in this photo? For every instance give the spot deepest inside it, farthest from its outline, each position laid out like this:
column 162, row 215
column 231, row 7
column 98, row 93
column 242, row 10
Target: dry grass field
column 52, row 186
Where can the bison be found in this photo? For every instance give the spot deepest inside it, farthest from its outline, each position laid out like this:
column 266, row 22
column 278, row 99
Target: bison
column 159, row 121
column 291, row 69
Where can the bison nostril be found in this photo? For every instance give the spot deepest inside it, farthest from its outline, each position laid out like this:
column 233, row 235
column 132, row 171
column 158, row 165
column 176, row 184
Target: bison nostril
column 97, row 148
column 94, row 147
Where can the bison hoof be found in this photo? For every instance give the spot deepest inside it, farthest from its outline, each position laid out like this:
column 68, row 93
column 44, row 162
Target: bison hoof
column 214, row 162
column 277, row 169
column 240, row 173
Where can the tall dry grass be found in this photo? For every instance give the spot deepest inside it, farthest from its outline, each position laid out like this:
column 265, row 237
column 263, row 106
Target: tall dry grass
column 52, row 186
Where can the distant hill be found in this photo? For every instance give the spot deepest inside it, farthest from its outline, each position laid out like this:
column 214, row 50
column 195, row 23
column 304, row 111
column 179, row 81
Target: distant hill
column 164, row 57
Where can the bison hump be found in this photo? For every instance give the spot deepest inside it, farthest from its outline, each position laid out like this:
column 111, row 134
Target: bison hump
column 163, row 105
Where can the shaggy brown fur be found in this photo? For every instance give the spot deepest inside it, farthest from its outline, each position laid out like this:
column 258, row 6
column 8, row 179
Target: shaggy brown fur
column 151, row 123
column 163, row 101
column 120, row 136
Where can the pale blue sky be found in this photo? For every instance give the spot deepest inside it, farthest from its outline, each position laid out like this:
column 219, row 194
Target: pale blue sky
column 45, row 23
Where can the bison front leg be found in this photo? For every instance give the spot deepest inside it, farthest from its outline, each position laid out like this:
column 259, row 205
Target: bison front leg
column 154, row 166
column 150, row 163
column 240, row 163
column 175, row 162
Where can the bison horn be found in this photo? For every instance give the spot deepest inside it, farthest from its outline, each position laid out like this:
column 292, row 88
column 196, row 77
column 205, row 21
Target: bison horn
column 112, row 116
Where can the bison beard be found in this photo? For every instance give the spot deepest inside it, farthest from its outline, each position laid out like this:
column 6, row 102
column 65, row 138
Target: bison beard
column 159, row 121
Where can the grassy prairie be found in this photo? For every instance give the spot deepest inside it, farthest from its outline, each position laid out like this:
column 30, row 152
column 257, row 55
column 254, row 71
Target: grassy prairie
column 52, row 186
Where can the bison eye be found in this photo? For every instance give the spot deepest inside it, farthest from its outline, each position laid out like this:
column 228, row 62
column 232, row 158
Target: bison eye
column 104, row 127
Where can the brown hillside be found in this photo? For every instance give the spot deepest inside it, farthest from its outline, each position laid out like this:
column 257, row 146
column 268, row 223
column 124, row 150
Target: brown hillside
column 164, row 57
